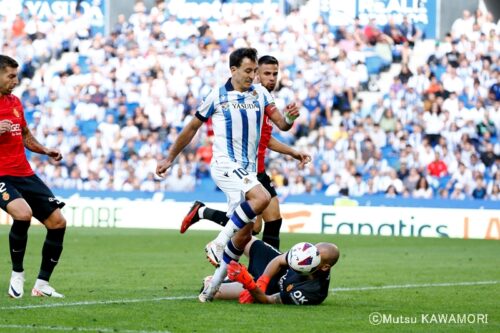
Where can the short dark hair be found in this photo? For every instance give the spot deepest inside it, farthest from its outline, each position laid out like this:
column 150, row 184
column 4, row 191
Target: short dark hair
column 236, row 57
column 268, row 60
column 6, row 61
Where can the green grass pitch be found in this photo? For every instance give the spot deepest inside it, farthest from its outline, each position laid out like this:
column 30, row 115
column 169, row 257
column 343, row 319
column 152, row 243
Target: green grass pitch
column 125, row 280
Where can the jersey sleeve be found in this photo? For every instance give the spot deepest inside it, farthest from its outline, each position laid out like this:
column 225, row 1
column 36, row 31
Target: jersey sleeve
column 207, row 107
column 269, row 105
column 268, row 98
column 301, row 294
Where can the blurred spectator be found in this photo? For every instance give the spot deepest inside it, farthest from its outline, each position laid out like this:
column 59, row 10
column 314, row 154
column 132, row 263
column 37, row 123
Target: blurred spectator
column 437, row 168
column 116, row 102
column 180, row 181
column 422, row 190
column 479, row 191
column 334, row 188
column 458, row 193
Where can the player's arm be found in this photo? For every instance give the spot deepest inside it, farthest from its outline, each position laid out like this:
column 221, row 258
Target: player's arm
column 260, row 297
column 272, row 268
column 238, row 272
column 283, row 121
column 184, row 138
column 280, row 147
column 32, row 144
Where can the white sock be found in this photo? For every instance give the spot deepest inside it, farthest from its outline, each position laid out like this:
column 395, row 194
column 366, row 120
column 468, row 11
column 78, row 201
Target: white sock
column 40, row 283
column 219, row 276
column 237, row 221
column 17, row 274
column 201, row 211
column 226, row 233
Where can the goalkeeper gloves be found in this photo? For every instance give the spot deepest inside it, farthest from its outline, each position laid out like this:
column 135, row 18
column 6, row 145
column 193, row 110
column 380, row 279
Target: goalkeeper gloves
column 239, row 273
column 247, row 298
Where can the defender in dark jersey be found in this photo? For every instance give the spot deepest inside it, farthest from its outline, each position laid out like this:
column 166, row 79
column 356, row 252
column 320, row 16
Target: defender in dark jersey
column 22, row 194
column 277, row 283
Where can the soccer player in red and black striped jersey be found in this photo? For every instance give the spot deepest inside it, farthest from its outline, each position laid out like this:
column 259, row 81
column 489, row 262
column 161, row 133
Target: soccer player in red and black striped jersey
column 268, row 77
column 22, row 194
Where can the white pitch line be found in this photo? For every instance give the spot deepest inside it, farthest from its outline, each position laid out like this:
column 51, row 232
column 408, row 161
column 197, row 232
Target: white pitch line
column 174, row 298
column 424, row 285
column 77, row 329
column 118, row 301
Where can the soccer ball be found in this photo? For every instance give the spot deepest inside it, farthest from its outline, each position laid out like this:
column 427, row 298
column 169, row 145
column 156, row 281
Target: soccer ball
column 303, row 258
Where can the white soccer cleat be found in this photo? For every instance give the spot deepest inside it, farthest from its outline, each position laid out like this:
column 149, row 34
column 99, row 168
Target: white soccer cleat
column 43, row 289
column 208, row 292
column 214, row 252
column 16, row 287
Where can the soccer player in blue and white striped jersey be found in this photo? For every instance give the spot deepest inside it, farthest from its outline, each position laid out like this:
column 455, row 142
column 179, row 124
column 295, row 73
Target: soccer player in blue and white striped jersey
column 237, row 110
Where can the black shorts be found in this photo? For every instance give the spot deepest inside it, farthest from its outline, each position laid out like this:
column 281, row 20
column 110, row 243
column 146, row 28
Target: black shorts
column 266, row 182
column 260, row 255
column 32, row 189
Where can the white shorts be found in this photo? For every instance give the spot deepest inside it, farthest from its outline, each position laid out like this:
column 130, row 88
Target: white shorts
column 233, row 180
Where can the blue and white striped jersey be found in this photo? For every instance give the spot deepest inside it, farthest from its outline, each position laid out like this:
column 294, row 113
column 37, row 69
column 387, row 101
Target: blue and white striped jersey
column 237, row 119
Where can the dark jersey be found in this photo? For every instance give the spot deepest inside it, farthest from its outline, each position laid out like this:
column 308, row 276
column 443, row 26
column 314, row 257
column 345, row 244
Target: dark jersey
column 300, row 289
column 294, row 288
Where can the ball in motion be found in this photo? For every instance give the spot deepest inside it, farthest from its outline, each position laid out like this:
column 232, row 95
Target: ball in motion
column 303, row 258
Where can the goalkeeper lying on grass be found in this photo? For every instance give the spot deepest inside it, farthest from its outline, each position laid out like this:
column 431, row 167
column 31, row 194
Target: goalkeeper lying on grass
column 276, row 282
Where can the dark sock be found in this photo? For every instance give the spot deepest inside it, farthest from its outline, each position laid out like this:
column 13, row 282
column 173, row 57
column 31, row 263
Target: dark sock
column 18, row 237
column 216, row 216
column 271, row 234
column 51, row 252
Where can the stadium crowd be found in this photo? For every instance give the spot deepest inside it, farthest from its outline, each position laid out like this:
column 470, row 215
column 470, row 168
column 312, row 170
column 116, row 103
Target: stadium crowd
column 113, row 104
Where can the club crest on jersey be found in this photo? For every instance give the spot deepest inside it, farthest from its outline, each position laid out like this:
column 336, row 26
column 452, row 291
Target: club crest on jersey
column 16, row 113
column 224, row 106
column 246, row 180
column 289, row 287
column 255, row 94
column 5, row 196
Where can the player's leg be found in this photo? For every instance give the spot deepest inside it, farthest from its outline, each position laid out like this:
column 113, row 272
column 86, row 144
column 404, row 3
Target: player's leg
column 214, row 215
column 47, row 209
column 257, row 200
column 232, row 251
column 248, row 247
column 18, row 239
column 259, row 255
column 271, row 215
column 257, row 225
column 51, row 252
column 245, row 195
column 227, row 291
column 199, row 211
column 272, row 225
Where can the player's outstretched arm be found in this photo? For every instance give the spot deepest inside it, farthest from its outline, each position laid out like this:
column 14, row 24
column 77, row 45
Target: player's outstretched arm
column 254, row 291
column 32, row 144
column 274, row 266
column 280, row 147
column 184, row 138
column 260, row 297
column 283, row 121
